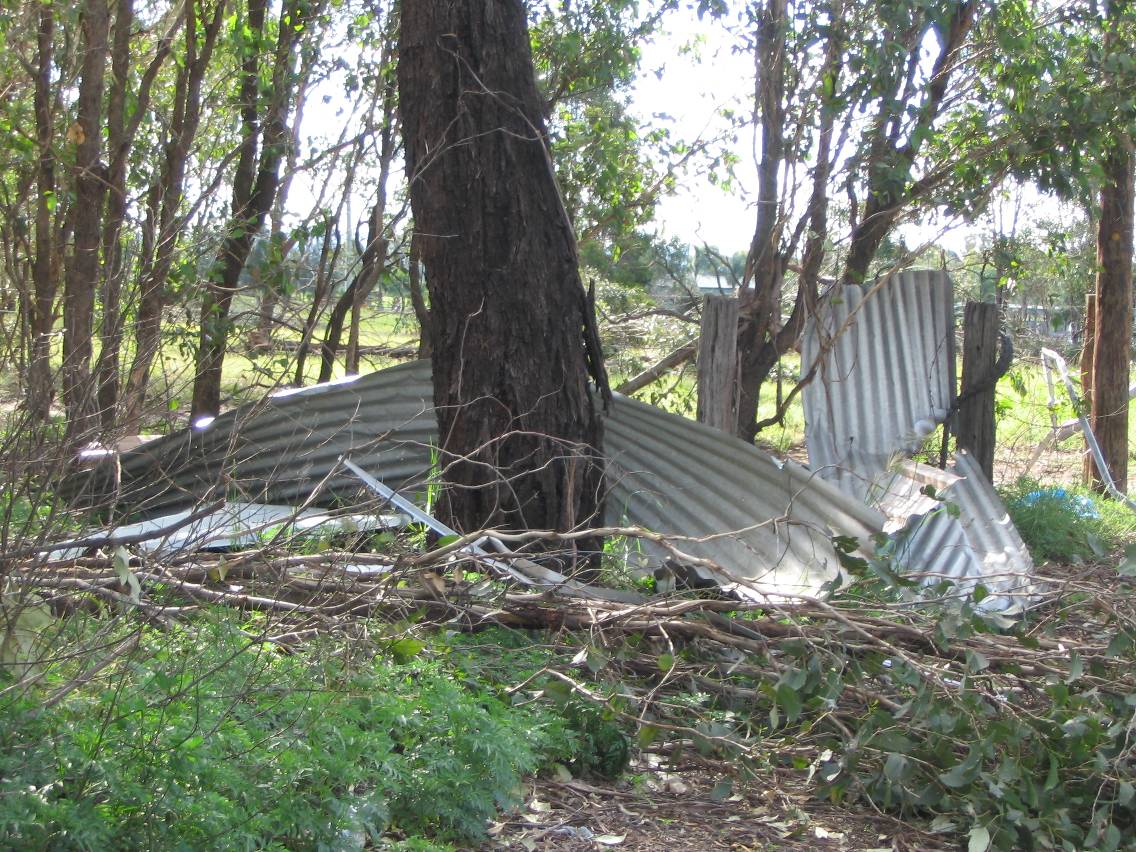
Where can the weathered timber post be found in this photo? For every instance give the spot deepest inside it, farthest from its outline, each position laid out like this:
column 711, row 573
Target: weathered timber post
column 976, row 412
column 1089, row 473
column 717, row 363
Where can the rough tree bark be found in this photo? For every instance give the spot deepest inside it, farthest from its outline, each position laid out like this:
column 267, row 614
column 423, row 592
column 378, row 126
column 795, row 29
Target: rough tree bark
column 40, row 390
column 1112, row 350
column 520, row 432
column 82, row 277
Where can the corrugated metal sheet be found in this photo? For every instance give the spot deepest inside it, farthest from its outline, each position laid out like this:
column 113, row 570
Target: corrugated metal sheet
column 978, row 546
column 765, row 523
column 885, row 380
column 233, row 525
column 885, row 375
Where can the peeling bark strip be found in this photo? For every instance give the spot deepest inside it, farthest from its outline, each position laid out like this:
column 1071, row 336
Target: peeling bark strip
column 508, row 309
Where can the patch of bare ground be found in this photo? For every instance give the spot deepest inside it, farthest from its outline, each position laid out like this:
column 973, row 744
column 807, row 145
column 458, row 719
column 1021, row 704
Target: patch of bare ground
column 696, row 806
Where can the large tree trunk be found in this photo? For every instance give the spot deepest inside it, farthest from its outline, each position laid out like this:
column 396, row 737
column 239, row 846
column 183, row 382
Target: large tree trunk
column 520, row 431
column 1112, row 352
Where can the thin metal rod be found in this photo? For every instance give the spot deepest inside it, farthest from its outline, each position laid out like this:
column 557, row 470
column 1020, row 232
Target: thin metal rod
column 1102, row 467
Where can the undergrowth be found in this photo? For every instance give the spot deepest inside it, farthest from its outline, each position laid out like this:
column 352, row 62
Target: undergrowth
column 204, row 738
column 1064, row 524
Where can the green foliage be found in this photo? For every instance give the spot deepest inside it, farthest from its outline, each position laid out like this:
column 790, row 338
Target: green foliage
column 1066, row 524
column 205, row 738
column 1005, row 768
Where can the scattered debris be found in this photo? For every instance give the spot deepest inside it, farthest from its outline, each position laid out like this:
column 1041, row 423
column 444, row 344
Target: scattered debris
column 1050, row 358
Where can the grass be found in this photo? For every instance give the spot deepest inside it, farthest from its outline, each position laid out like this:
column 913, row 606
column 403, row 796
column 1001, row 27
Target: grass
column 1068, row 524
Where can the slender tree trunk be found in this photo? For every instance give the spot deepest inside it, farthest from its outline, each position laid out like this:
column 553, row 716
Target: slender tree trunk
column 82, row 280
column 890, row 164
column 166, row 202
column 270, row 294
column 760, row 296
column 374, row 257
column 1112, row 352
column 121, row 134
column 319, row 293
column 106, row 371
column 254, row 190
column 521, row 434
column 40, row 384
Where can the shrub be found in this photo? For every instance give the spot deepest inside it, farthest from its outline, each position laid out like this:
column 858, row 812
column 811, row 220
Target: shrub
column 204, row 738
column 1064, row 524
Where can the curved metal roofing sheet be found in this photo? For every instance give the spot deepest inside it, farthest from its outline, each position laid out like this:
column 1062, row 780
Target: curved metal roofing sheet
column 765, row 523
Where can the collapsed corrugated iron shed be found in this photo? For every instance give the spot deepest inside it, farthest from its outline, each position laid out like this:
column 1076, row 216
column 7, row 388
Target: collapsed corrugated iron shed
column 764, row 524
column 753, row 524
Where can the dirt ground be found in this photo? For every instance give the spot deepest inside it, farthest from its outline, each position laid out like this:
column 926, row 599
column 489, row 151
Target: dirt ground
column 696, row 807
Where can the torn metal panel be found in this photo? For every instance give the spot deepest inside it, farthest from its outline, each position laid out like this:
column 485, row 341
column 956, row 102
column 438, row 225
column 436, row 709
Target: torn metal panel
column 767, row 524
column 979, row 546
column 885, row 375
column 232, row 526
column 885, row 381
column 764, row 523
column 909, row 490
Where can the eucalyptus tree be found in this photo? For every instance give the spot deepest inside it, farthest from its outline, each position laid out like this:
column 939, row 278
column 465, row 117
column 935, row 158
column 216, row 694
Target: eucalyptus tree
column 848, row 100
column 1054, row 93
column 267, row 96
column 512, row 327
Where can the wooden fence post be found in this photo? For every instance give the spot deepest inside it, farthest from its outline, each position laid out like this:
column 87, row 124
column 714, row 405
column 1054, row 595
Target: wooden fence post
column 979, row 354
column 718, row 363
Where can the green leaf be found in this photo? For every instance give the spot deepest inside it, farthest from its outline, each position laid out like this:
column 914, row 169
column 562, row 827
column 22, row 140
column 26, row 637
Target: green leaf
column 722, row 790
column 596, row 660
column 1125, row 793
column 665, row 662
column 979, row 839
column 961, row 774
column 1076, row 667
column 121, row 562
column 895, row 767
column 647, row 735
column 790, row 702
column 406, row 649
